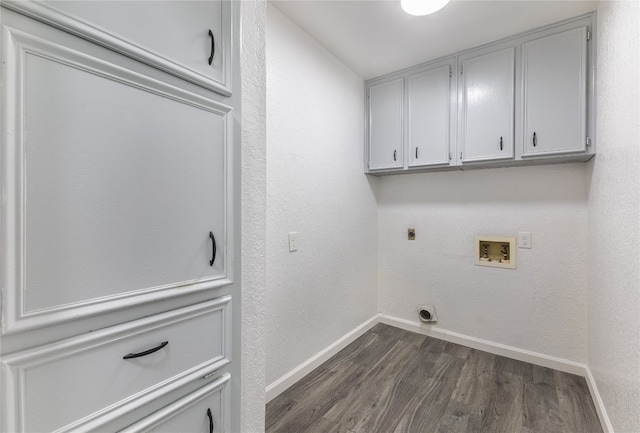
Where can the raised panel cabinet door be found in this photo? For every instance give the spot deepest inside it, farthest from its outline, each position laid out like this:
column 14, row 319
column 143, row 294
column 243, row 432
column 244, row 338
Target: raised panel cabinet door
column 429, row 117
column 171, row 35
column 487, row 106
column 119, row 183
column 386, row 125
column 205, row 410
column 555, row 93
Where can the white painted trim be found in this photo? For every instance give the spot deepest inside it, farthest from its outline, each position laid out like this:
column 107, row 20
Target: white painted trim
column 280, row 385
column 487, row 346
column 598, row 403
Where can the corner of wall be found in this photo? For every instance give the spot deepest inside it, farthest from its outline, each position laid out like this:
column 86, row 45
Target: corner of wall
column 253, row 215
column 316, row 188
column 613, row 334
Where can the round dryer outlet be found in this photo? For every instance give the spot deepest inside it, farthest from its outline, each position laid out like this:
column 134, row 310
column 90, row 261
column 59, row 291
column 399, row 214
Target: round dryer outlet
column 427, row 313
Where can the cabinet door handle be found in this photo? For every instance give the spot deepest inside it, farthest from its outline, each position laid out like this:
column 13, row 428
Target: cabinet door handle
column 213, row 248
column 146, row 352
column 210, row 420
column 500, row 143
column 213, row 46
column 535, row 140
column 394, row 155
column 416, row 152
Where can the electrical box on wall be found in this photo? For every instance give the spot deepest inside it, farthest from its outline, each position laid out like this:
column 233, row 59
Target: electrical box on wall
column 496, row 251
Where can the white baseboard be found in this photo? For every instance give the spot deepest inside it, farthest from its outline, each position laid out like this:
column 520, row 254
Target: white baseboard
column 280, row 385
column 598, row 403
column 487, row 346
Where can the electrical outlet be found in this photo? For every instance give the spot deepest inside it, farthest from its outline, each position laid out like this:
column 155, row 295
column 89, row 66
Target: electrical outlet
column 293, row 242
column 524, row 240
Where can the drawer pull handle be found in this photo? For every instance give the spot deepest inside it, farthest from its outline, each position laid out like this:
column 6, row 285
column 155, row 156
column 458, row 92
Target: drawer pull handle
column 535, row 140
column 213, row 47
column 416, row 153
column 394, row 155
column 146, row 352
column 500, row 143
column 213, row 248
column 210, row 420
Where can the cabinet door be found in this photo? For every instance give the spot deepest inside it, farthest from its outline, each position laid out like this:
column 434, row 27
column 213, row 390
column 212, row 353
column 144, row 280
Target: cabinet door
column 429, row 117
column 555, row 93
column 117, row 181
column 487, row 106
column 171, row 35
column 204, row 411
column 386, row 125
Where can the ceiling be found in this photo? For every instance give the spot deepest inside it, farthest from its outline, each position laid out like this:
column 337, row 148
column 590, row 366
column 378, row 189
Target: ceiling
column 375, row 37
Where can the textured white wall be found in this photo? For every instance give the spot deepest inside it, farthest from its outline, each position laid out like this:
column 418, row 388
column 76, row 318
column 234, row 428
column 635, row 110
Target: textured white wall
column 253, row 212
column 316, row 187
column 541, row 305
column 614, row 218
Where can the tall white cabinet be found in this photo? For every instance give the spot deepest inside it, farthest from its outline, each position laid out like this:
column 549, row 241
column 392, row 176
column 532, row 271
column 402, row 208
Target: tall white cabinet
column 118, row 228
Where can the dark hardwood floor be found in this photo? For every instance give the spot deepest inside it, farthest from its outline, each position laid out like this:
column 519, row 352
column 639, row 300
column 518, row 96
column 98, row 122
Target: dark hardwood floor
column 394, row 381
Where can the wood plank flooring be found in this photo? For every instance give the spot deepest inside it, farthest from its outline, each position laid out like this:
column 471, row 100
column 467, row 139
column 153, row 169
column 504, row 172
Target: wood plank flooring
column 395, row 381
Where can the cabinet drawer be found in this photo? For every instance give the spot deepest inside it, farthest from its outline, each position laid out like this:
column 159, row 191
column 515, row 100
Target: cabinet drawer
column 81, row 383
column 205, row 410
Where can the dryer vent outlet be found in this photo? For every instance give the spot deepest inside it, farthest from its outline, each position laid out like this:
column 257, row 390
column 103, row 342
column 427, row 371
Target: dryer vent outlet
column 427, row 313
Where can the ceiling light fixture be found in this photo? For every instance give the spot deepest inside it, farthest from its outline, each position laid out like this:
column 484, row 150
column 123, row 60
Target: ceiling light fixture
column 422, row 7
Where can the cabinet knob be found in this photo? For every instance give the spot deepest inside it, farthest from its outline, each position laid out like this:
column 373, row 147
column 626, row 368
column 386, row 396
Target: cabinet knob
column 213, row 248
column 210, row 420
column 213, row 47
column 535, row 140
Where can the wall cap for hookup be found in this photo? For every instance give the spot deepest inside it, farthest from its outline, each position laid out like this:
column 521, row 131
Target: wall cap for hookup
column 427, row 313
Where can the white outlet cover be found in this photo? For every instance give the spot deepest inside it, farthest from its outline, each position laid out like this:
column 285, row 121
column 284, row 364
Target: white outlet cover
column 524, row 240
column 293, row 241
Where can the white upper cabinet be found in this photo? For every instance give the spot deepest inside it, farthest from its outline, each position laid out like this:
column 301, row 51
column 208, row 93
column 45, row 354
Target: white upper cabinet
column 189, row 39
column 555, row 93
column 527, row 99
column 386, row 101
column 429, row 117
column 486, row 111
